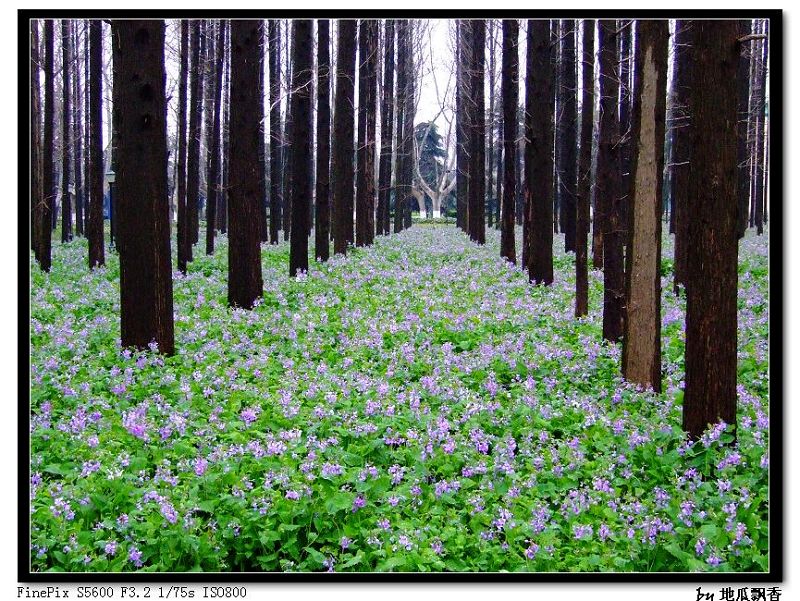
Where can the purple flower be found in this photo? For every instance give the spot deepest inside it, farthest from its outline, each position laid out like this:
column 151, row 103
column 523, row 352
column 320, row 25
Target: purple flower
column 344, row 543
column 531, row 551
column 358, row 503
column 135, row 557
column 700, row 546
column 111, row 548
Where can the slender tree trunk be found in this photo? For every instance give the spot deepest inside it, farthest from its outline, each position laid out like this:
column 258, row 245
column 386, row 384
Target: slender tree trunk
column 275, row 133
column 641, row 349
column 584, row 172
column 77, row 129
column 742, row 96
column 244, row 249
column 323, row 186
column 87, row 130
column 365, row 174
column 142, row 203
column 499, row 163
column 343, row 123
column 193, row 145
column 286, row 173
column 462, row 122
column 539, row 106
column 761, row 85
column 625, row 35
column 222, row 209
column 262, row 143
column 45, row 232
column 559, row 142
column 682, row 149
column 608, row 180
column 213, row 183
column 490, row 126
column 510, row 95
column 387, row 122
column 66, row 131
column 408, row 124
column 184, row 241
column 94, row 228
column 477, row 185
column 302, row 130
column 37, row 197
column 711, row 328
column 570, row 124
column 401, row 191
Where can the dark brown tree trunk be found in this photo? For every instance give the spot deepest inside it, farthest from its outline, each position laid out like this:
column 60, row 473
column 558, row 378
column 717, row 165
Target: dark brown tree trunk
column 300, row 154
column 569, row 180
column 94, row 229
column 184, row 241
column 559, row 143
column 510, row 96
column 682, row 75
column 286, row 173
column 193, row 145
column 323, row 186
column 244, row 254
column 641, row 349
column 262, row 143
column 539, row 106
column 742, row 96
column 584, row 173
column 36, row 140
column 387, row 122
column 222, row 209
column 343, row 124
column 45, row 232
column 365, row 173
column 275, row 133
column 462, row 122
column 77, row 129
column 401, row 190
column 625, row 30
column 711, row 329
column 212, row 179
column 66, row 131
column 608, row 193
column 477, row 182
column 408, row 124
column 490, row 126
column 499, row 162
column 142, row 203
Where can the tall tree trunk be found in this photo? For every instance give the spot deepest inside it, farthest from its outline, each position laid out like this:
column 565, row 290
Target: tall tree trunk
column 490, row 126
column 244, row 253
column 539, row 106
column 477, row 183
column 343, row 118
column 711, row 328
column 570, row 137
column 408, row 124
column 510, row 96
column 37, row 197
column 142, row 203
column 584, row 172
column 45, row 233
column 94, row 228
column 323, row 186
column 275, row 133
column 742, row 97
column 641, row 349
column 302, row 121
column 365, row 174
column 462, row 121
column 387, row 122
column 760, row 86
column 222, row 209
column 286, row 172
column 682, row 149
column 193, row 145
column 213, row 183
column 184, row 241
column 559, row 143
column 66, row 131
column 625, row 34
column 499, row 162
column 609, row 193
column 77, row 129
column 262, row 143
column 401, row 190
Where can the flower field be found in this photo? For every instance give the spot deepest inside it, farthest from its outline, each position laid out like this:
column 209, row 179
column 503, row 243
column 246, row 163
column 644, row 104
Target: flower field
column 416, row 406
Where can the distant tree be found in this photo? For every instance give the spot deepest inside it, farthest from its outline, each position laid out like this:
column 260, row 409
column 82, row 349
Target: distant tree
column 477, row 183
column 510, row 98
column 275, row 132
column 711, row 290
column 66, row 131
column 286, row 172
column 462, row 121
column 584, row 171
column 624, row 36
column 742, row 97
column 37, row 197
column 212, row 179
column 401, row 185
column 759, row 102
column 539, row 106
column 222, row 209
column 682, row 75
column 387, row 122
column 184, row 240
column 323, row 186
column 490, row 126
column 245, row 284
column 367, row 109
column 608, row 182
column 409, row 111
column 302, row 130
column 94, row 227
column 569, row 180
column 343, row 124
column 262, row 143
column 45, row 232
column 77, row 130
column 142, row 203
column 641, row 349
column 193, row 145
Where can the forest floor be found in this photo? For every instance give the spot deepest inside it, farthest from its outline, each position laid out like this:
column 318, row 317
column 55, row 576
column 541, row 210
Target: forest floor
column 414, row 406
